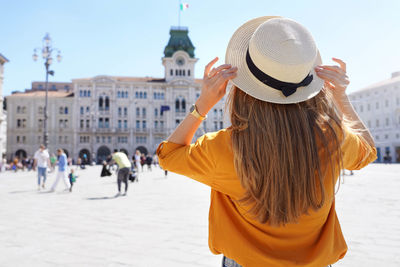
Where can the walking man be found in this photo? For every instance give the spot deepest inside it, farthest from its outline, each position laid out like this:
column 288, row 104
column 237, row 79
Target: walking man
column 124, row 166
column 62, row 170
column 42, row 161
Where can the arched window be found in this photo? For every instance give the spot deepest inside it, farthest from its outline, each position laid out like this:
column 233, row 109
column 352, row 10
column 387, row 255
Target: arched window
column 180, row 72
column 126, row 94
column 171, row 72
column 82, row 109
column 145, row 95
column 183, row 72
column 136, row 94
column 119, row 94
column 101, row 103
column 183, row 105
column 176, row 72
column 18, row 109
column 107, row 103
column 188, row 72
column 141, row 95
column 156, row 112
column 144, row 112
column 84, row 93
column 24, row 110
column 177, row 105
column 88, row 93
column 61, row 110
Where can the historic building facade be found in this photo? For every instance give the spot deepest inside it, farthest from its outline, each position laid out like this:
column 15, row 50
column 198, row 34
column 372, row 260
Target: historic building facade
column 379, row 108
column 3, row 120
column 113, row 112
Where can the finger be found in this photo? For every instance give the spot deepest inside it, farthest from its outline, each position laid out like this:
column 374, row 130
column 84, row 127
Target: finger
column 333, row 68
column 209, row 65
column 337, row 75
column 328, row 77
column 341, row 63
column 219, row 69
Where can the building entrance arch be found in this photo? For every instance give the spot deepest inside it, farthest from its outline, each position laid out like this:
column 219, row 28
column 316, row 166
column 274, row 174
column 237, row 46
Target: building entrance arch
column 82, row 153
column 102, row 153
column 142, row 150
column 20, row 153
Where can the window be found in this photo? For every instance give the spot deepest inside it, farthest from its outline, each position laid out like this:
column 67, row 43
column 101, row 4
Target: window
column 119, row 111
column 87, row 124
column 88, row 94
column 66, row 110
column 188, row 72
column 17, row 139
column 53, row 87
column 107, row 103
column 23, row 139
column 220, row 113
column 80, row 93
column 103, row 138
column 162, row 124
column 125, row 124
column 106, row 123
column 221, row 125
column 40, row 110
column 119, row 124
column 97, row 139
column 101, row 103
column 61, row 110
column 40, row 86
column 60, row 123
column 82, row 110
column 215, row 112
column 176, row 72
column 100, row 122
column 215, row 125
column 144, row 124
column 136, row 95
column 155, row 95
column 183, row 72
column 144, row 112
column 87, row 109
column 140, row 95
column 137, row 111
column 109, row 139
column 177, row 105
column 183, row 105
column 155, row 124
column 155, row 112
column 137, row 124
column 119, row 94
column 40, row 123
column 126, row 94
column 84, row 93
column 18, row 123
column 24, row 110
column 162, row 96
column 81, row 124
column 125, row 111
column 145, row 95
column 177, row 122
column 171, row 72
column 65, row 123
column 23, row 123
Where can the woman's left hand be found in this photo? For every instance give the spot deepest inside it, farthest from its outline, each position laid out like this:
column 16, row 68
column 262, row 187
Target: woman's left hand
column 214, row 85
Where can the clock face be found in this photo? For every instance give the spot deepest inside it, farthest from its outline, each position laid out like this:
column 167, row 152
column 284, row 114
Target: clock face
column 180, row 61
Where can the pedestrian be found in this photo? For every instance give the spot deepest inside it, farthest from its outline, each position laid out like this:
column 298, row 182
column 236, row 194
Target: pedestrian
column 149, row 161
column 42, row 162
column 53, row 161
column 124, row 166
column 62, row 171
column 137, row 160
column 72, row 179
column 273, row 172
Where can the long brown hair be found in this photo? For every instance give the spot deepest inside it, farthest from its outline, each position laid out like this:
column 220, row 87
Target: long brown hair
column 282, row 153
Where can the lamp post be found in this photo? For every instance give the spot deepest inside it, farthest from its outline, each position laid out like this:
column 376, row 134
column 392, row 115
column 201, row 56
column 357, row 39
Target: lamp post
column 47, row 50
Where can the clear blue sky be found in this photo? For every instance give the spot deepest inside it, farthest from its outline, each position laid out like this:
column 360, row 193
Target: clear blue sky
column 127, row 37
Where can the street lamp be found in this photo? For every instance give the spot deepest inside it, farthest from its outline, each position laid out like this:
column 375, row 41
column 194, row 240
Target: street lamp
column 47, row 50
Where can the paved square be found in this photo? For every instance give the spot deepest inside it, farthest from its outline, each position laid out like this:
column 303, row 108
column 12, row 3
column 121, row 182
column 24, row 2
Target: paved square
column 164, row 222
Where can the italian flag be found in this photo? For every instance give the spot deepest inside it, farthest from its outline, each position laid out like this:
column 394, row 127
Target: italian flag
column 184, row 6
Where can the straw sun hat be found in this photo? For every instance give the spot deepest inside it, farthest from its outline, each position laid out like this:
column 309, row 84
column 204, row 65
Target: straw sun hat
column 275, row 58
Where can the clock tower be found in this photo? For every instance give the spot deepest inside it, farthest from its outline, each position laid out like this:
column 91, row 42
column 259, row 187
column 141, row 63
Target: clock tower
column 179, row 60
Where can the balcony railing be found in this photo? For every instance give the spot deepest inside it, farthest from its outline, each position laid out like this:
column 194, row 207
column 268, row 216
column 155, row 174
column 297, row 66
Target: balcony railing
column 141, row 130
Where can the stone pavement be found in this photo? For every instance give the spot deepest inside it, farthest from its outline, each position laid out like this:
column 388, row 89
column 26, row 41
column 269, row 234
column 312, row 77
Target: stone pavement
column 164, row 222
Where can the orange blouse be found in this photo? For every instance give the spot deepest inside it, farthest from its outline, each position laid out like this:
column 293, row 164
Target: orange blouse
column 316, row 240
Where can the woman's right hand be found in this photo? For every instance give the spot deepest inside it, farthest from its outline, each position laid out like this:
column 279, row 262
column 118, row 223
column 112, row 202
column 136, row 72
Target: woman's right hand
column 335, row 78
column 214, row 85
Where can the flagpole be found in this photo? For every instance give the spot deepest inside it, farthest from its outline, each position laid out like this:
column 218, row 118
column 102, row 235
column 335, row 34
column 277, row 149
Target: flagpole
column 179, row 16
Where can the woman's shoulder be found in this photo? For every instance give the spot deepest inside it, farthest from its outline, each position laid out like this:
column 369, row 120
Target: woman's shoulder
column 220, row 137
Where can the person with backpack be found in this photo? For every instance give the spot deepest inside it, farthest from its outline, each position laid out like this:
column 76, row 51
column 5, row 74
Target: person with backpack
column 272, row 173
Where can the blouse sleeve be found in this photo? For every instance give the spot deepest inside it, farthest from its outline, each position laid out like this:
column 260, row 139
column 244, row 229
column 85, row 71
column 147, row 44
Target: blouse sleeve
column 357, row 153
column 195, row 161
